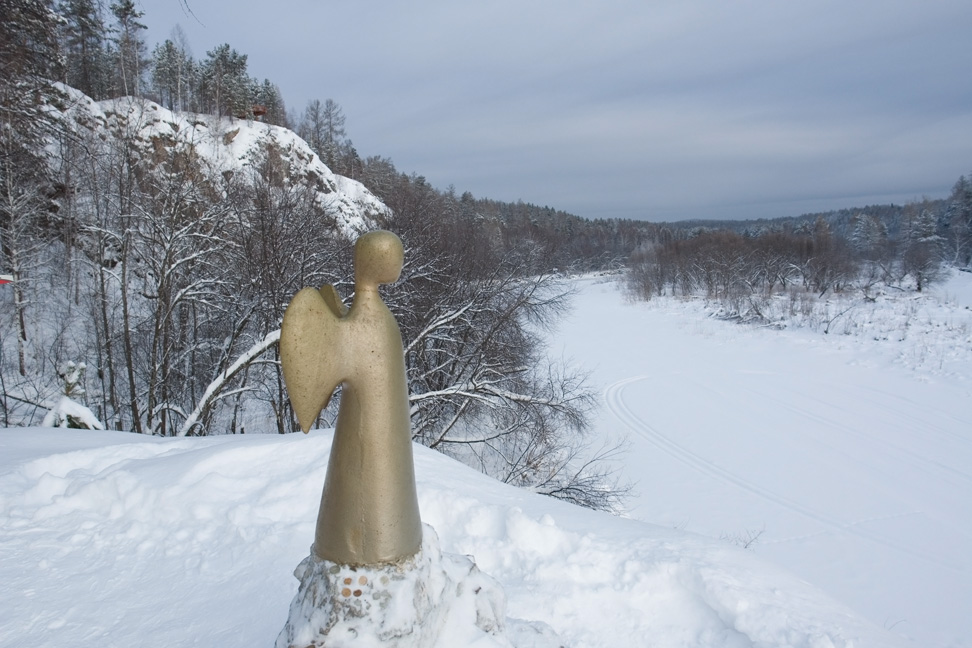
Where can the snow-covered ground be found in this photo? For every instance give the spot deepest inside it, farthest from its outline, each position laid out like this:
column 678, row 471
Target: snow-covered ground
column 850, row 462
column 110, row 539
column 847, row 457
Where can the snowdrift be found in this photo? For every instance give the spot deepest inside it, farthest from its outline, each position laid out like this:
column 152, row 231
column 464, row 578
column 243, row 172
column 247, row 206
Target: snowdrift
column 109, row 538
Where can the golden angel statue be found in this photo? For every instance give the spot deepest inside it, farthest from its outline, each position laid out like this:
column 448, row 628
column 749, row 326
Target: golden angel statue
column 369, row 509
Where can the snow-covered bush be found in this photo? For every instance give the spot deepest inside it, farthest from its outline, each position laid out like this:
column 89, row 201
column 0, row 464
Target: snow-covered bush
column 68, row 413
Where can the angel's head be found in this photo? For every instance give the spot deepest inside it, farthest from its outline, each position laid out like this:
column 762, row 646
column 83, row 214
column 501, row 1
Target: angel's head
column 378, row 259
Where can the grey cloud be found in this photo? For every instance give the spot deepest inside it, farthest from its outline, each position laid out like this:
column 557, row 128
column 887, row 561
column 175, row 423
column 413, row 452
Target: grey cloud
column 630, row 109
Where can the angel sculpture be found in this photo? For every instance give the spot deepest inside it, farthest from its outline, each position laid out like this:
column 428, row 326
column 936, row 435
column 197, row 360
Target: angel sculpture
column 369, row 509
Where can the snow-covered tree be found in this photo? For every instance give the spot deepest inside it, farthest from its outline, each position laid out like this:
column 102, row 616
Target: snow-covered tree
column 285, row 240
column 29, row 59
column 21, row 208
column 181, row 241
column 870, row 235
column 481, row 388
column 225, row 84
column 922, row 257
column 958, row 221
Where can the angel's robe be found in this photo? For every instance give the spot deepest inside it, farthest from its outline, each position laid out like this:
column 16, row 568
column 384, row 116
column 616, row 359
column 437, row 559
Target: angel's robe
column 369, row 509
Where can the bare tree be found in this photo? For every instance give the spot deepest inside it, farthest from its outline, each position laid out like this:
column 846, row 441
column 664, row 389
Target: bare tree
column 286, row 240
column 322, row 127
column 20, row 209
column 182, row 244
column 481, row 387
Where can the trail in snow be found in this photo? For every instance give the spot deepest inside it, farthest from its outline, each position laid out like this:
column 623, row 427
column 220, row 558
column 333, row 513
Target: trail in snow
column 614, row 397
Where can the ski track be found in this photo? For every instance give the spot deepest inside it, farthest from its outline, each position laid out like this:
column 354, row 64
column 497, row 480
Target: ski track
column 814, row 534
column 924, row 420
column 906, row 455
column 614, row 398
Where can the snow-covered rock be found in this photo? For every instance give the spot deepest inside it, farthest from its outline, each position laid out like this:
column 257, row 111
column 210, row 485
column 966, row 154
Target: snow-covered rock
column 221, row 147
column 402, row 605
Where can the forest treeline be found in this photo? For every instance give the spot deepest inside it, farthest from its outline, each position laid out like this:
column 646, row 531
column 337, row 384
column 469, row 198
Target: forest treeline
column 908, row 246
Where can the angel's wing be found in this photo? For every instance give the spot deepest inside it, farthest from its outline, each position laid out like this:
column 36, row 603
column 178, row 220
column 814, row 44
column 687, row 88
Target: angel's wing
column 310, row 350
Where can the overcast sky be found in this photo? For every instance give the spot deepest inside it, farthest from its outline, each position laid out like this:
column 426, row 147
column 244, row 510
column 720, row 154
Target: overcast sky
column 650, row 109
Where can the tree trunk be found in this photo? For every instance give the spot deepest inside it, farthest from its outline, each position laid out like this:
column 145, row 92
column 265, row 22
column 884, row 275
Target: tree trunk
column 127, row 340
column 109, row 348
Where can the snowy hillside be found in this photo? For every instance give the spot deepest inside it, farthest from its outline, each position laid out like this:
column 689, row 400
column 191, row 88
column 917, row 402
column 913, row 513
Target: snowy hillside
column 113, row 539
column 220, row 147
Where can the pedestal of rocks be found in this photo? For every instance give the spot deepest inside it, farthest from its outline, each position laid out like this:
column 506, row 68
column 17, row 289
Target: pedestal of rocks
column 413, row 604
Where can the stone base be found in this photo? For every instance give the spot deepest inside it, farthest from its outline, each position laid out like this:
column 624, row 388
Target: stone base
column 408, row 605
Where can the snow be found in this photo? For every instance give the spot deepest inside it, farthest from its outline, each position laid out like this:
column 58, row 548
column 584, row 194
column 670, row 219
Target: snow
column 846, row 456
column 114, row 538
column 224, row 146
column 849, row 462
column 67, row 409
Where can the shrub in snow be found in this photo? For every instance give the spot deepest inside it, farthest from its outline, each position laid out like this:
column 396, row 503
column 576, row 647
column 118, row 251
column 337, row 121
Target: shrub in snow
column 68, row 413
column 73, row 376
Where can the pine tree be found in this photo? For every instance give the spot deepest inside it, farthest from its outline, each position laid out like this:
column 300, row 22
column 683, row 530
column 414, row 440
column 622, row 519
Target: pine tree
column 923, row 253
column 83, row 42
column 129, row 51
column 958, row 221
column 268, row 95
column 29, row 55
column 225, row 84
column 29, row 60
column 333, row 132
column 869, row 235
column 169, row 65
column 311, row 127
column 348, row 161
